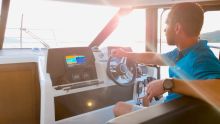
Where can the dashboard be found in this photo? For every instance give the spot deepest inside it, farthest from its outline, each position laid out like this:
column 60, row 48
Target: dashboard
column 74, row 83
column 75, row 71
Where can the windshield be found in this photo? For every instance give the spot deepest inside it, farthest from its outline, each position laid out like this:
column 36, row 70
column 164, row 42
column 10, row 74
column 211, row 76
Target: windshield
column 41, row 23
column 130, row 32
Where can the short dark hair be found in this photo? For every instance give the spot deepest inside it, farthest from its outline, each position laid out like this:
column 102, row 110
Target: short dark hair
column 189, row 15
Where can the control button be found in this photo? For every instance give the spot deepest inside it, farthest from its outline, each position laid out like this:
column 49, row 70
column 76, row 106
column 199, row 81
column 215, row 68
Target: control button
column 86, row 76
column 75, row 77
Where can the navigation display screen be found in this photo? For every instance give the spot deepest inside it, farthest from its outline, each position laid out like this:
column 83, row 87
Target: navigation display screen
column 71, row 65
column 75, row 60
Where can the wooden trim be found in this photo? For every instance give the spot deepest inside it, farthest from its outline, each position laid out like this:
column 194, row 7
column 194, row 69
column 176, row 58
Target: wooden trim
column 204, row 3
column 151, row 29
column 3, row 20
column 184, row 110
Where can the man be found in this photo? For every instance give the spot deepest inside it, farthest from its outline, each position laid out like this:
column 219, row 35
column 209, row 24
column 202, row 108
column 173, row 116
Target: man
column 191, row 60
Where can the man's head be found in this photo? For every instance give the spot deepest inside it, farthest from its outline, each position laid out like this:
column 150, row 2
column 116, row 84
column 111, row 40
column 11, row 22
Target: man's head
column 184, row 19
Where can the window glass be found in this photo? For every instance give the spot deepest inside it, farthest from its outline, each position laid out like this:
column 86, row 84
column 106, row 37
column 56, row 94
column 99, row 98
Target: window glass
column 36, row 23
column 131, row 31
column 163, row 47
column 211, row 30
column 40, row 23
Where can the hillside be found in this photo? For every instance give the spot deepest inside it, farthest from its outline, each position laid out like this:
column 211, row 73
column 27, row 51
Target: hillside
column 212, row 37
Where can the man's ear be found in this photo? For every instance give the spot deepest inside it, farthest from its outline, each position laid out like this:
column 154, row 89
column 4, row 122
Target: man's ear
column 178, row 28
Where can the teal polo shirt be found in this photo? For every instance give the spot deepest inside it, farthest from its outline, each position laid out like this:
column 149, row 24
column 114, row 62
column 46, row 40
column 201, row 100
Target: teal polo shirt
column 195, row 63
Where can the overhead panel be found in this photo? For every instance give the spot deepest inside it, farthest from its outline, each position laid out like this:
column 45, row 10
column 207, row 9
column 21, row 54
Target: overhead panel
column 132, row 3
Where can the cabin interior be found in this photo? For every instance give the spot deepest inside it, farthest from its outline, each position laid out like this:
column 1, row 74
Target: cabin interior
column 46, row 79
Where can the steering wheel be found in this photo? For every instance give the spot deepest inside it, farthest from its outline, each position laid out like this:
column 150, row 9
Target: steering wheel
column 121, row 70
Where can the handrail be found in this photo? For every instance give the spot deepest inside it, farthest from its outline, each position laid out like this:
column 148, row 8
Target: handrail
column 36, row 37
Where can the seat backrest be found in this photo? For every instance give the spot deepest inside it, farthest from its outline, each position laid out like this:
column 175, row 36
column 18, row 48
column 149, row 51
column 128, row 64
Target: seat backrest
column 19, row 94
column 184, row 110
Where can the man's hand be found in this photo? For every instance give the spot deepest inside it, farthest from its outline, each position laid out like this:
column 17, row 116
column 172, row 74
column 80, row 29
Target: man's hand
column 154, row 88
column 119, row 53
column 146, row 101
column 122, row 108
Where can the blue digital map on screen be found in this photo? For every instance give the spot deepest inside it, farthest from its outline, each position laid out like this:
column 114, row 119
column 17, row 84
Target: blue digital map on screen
column 71, row 59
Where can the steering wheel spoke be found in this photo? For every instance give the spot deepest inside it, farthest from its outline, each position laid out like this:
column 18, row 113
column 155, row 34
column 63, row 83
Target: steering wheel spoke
column 120, row 71
column 123, row 60
column 129, row 74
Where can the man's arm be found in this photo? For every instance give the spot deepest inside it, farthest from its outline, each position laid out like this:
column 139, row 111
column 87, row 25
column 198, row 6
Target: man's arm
column 146, row 58
column 207, row 90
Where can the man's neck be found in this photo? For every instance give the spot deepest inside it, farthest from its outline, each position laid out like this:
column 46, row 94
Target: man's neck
column 186, row 43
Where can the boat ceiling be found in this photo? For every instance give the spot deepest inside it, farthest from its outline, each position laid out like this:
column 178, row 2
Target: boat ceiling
column 136, row 3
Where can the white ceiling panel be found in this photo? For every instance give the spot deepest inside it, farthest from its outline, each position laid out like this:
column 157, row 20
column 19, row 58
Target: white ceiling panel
column 132, row 3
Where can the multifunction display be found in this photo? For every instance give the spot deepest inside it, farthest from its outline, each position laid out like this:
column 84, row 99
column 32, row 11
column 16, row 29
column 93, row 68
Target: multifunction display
column 71, row 65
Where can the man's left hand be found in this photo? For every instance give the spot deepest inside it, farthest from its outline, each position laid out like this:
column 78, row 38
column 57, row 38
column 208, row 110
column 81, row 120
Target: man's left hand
column 122, row 108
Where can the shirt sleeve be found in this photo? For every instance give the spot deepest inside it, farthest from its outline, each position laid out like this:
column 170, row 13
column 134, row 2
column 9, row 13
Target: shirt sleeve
column 170, row 57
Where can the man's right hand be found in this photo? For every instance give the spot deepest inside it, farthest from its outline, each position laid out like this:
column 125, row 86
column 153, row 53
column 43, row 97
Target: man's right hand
column 119, row 52
column 146, row 101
